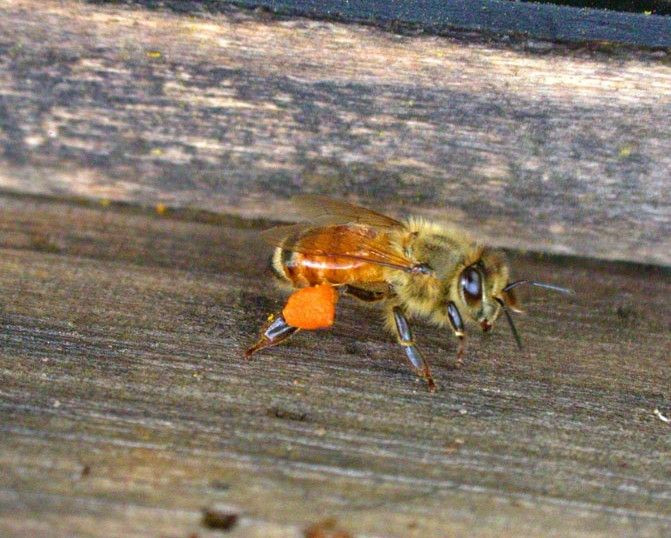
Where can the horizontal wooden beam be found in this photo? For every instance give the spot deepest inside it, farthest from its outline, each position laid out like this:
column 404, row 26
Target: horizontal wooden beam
column 551, row 149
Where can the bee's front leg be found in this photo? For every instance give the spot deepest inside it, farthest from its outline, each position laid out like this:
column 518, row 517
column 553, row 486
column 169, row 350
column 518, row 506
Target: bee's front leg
column 458, row 328
column 405, row 338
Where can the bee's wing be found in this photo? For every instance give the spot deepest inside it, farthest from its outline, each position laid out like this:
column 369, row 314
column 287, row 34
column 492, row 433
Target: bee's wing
column 349, row 241
column 312, row 207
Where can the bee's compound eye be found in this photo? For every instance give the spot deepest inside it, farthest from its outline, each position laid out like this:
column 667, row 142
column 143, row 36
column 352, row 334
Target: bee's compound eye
column 471, row 285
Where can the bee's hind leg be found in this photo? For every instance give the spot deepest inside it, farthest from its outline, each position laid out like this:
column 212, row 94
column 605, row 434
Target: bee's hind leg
column 307, row 308
column 405, row 338
column 277, row 330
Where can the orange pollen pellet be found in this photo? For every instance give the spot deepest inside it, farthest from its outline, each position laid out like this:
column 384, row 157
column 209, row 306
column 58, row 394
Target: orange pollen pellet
column 311, row 308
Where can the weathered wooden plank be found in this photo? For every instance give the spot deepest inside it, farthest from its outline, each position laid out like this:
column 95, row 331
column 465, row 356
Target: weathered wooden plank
column 537, row 146
column 125, row 407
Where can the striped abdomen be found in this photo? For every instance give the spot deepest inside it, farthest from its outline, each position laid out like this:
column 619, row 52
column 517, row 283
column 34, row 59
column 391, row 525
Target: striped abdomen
column 309, row 269
column 300, row 260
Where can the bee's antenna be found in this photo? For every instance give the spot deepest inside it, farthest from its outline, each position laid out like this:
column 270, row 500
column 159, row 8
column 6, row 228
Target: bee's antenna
column 516, row 335
column 530, row 283
column 538, row 285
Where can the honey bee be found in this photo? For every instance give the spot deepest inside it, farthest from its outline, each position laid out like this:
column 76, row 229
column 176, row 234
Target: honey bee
column 412, row 268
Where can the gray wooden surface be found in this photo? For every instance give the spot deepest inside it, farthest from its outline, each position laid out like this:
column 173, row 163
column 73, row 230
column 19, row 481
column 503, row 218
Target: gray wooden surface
column 141, row 152
column 126, row 407
column 536, row 146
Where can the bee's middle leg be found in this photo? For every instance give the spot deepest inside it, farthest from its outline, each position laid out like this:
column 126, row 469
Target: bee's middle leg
column 367, row 296
column 405, row 338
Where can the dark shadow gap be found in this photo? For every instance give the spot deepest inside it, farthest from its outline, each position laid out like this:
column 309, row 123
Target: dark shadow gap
column 651, row 7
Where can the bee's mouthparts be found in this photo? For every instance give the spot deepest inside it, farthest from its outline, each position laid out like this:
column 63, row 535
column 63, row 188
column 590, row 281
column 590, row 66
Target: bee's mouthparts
column 486, row 325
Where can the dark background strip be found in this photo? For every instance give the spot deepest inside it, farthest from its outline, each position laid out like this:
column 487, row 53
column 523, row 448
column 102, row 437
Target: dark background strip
column 539, row 21
column 658, row 7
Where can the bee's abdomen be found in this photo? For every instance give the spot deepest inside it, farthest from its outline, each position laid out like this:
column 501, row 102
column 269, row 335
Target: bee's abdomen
column 310, row 270
column 278, row 260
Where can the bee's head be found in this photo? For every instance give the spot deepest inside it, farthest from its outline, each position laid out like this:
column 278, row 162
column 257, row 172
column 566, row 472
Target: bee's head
column 483, row 291
column 480, row 289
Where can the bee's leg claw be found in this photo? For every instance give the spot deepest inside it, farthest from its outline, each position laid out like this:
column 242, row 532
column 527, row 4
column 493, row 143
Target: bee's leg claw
column 277, row 330
column 460, row 351
column 459, row 361
column 420, row 366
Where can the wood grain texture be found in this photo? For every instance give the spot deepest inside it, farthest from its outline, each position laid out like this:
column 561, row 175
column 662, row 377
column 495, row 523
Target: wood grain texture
column 125, row 406
column 536, row 146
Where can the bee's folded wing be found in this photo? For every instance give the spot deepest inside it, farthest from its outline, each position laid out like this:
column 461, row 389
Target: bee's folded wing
column 342, row 241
